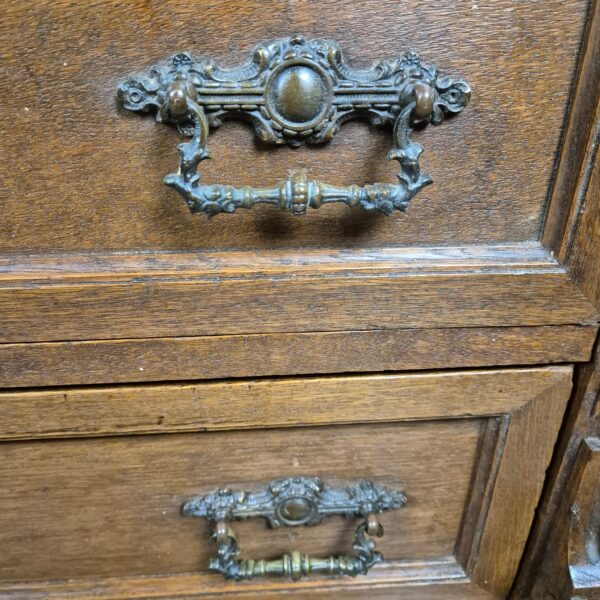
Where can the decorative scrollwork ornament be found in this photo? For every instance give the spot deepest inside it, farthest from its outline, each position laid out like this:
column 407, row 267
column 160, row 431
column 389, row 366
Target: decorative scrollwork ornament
column 296, row 91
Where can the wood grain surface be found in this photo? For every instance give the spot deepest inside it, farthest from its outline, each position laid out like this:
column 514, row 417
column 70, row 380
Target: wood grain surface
column 583, row 251
column 112, row 506
column 289, row 303
column 59, row 268
column 106, row 272
column 545, row 568
column 79, row 174
column 444, row 579
column 528, row 450
column 215, row 357
column 578, row 149
column 584, row 567
column 269, row 402
column 573, row 231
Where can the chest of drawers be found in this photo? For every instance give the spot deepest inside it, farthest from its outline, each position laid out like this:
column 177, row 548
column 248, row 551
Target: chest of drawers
column 383, row 353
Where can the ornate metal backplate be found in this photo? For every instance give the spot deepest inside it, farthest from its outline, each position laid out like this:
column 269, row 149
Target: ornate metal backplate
column 291, row 502
column 295, row 91
column 295, row 501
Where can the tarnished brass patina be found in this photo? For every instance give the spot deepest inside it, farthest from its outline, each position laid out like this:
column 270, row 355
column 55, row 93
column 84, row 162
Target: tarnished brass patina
column 292, row 502
column 296, row 91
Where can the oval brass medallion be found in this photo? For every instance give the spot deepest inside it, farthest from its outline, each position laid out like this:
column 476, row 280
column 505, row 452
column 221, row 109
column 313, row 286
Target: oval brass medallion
column 298, row 95
column 296, row 510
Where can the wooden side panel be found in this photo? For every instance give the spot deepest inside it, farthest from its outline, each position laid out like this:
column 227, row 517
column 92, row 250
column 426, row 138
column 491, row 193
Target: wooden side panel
column 545, row 568
column 439, row 581
column 573, row 232
column 584, row 541
column 584, row 252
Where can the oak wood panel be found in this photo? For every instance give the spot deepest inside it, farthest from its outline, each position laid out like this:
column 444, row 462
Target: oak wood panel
column 172, row 294
column 128, row 266
column 98, row 171
column 84, row 481
column 584, row 251
column 214, row 357
column 573, row 231
column 229, row 306
column 491, row 447
column 579, row 146
column 112, row 506
column 270, row 403
column 445, row 580
column 528, row 449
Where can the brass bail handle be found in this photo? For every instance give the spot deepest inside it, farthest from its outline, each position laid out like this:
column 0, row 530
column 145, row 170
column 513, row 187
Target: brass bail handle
column 296, row 91
column 292, row 502
column 296, row 565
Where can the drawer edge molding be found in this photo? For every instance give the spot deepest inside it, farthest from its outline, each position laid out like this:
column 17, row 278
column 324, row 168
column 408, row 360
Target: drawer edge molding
column 282, row 354
column 198, row 407
column 530, row 402
column 446, row 576
column 106, row 297
column 270, row 305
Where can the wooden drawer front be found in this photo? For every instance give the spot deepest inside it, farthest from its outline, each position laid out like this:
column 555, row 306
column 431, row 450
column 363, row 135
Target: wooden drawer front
column 98, row 183
column 112, row 506
column 468, row 449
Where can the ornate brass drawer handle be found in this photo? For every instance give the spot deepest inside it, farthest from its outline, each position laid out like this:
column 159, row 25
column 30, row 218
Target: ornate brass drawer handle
column 291, row 502
column 295, row 91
